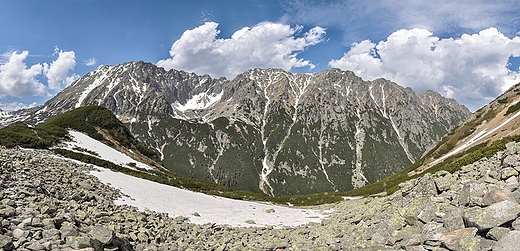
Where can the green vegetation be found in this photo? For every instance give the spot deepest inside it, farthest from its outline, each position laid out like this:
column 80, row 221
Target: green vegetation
column 165, row 177
column 503, row 101
column 88, row 119
column 451, row 164
column 512, row 109
column 40, row 137
column 245, row 155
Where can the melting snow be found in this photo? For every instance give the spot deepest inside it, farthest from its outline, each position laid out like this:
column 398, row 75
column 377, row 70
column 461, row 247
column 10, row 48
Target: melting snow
column 146, row 194
column 199, row 101
column 98, row 81
column 105, row 152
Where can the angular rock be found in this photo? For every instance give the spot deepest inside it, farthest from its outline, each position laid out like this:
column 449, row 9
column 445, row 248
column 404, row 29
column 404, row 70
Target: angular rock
column 452, row 219
column 443, row 180
column 18, row 233
column 67, row 229
column 6, row 242
column 102, row 234
column 78, row 242
column 51, row 234
column 497, row 233
column 508, row 172
column 36, row 246
column 492, row 216
column 493, row 196
column 509, row 242
column 462, row 239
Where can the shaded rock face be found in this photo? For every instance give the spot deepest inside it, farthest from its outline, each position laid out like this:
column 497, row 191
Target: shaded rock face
column 269, row 130
column 47, row 203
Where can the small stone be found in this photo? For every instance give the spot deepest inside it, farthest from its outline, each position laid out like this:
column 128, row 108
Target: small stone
column 68, row 229
column 270, row 210
column 51, row 234
column 143, row 237
column 512, row 180
column 18, row 233
column 391, row 241
column 8, row 211
column 196, row 214
column 35, row 246
column 78, row 242
column 250, row 222
column 6, row 242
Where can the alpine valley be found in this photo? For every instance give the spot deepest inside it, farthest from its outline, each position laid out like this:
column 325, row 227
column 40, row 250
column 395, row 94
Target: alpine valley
column 267, row 130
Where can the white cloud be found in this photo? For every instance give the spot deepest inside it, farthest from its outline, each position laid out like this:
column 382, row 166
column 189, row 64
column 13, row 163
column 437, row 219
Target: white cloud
column 57, row 72
column 367, row 19
column 18, row 80
column 266, row 45
column 472, row 68
column 91, row 62
column 14, row 106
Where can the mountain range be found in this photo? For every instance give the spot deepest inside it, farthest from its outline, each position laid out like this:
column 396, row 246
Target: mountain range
column 266, row 130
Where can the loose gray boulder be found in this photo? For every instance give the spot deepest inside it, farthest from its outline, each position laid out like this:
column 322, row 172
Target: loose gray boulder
column 510, row 242
column 462, row 239
column 492, row 216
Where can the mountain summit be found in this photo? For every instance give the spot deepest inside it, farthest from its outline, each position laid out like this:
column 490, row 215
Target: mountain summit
column 268, row 130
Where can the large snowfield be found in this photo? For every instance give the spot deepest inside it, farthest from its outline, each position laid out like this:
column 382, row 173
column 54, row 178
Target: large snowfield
column 199, row 208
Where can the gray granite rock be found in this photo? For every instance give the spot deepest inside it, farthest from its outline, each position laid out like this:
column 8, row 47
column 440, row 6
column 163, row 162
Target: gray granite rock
column 492, row 216
column 509, row 242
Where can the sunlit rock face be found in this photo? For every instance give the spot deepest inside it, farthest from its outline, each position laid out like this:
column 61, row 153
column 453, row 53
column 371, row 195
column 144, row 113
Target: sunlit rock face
column 269, row 130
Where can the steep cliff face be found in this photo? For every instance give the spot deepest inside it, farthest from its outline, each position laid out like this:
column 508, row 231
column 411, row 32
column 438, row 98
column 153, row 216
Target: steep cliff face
column 269, row 130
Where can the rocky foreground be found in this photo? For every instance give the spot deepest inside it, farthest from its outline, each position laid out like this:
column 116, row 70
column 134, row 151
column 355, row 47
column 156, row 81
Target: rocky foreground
column 47, row 203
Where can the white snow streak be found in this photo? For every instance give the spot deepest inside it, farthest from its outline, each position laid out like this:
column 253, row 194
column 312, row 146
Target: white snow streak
column 266, row 169
column 482, row 134
column 97, row 82
column 358, row 178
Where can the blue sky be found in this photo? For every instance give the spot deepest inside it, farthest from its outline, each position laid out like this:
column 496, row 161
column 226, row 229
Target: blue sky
column 468, row 50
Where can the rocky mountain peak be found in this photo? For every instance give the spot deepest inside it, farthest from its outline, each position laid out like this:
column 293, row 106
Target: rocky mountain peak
column 268, row 129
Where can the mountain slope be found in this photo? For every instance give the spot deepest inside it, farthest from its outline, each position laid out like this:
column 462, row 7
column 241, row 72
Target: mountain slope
column 496, row 120
column 268, row 130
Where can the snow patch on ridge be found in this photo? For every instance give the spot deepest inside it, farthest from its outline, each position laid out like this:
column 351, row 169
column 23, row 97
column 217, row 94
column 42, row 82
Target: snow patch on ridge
column 198, row 101
column 97, row 82
column 81, row 140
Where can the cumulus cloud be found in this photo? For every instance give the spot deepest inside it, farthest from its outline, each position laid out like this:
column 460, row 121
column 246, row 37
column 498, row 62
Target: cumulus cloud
column 19, row 80
column 16, row 79
column 472, row 69
column 57, row 72
column 266, row 45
